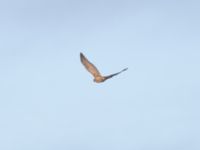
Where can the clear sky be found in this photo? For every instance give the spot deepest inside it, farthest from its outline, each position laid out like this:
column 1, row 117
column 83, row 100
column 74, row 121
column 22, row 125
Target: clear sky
column 48, row 101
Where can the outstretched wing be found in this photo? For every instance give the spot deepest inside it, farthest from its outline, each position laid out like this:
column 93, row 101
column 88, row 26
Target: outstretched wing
column 89, row 66
column 112, row 75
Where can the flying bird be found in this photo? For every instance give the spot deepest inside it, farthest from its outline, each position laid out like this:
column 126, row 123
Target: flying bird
column 98, row 78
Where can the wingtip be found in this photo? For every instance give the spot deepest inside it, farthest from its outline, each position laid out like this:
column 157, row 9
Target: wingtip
column 125, row 69
column 81, row 54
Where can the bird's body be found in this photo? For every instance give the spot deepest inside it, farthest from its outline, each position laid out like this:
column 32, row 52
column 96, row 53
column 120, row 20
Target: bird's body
column 98, row 78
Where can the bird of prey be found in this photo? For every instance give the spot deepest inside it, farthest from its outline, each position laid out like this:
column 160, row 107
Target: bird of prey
column 98, row 78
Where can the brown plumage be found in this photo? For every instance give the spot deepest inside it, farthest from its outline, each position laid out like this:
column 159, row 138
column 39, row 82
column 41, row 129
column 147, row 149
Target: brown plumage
column 94, row 71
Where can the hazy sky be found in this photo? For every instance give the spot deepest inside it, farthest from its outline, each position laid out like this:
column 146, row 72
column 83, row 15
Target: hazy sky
column 48, row 101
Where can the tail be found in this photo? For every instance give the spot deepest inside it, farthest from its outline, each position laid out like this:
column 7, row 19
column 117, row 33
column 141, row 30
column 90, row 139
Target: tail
column 112, row 75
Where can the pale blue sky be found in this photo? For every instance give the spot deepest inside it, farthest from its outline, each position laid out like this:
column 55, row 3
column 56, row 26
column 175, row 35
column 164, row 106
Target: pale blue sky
column 48, row 101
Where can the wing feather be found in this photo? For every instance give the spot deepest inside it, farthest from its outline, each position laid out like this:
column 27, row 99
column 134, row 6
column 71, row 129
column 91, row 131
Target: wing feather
column 89, row 66
column 112, row 75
